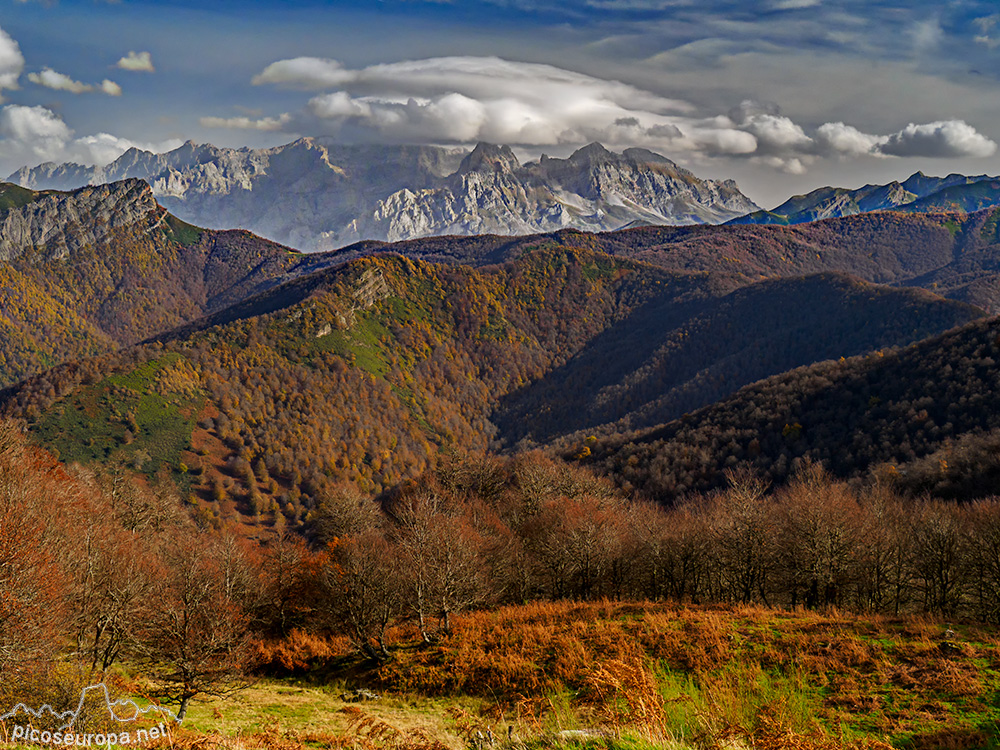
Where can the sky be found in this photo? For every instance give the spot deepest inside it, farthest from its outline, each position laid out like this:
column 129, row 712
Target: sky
column 782, row 95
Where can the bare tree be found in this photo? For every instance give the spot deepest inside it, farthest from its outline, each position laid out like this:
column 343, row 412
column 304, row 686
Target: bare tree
column 196, row 636
column 742, row 539
column 363, row 590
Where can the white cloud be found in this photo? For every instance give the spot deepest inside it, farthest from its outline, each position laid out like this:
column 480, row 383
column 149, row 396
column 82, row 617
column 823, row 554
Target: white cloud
column 950, row 138
column 35, row 131
column 465, row 99
column 837, row 138
column 792, row 165
column 50, row 79
column 266, row 124
column 777, row 134
column 305, row 73
column 469, row 99
column 137, row 61
column 944, row 139
column 11, row 62
column 104, row 148
column 29, row 135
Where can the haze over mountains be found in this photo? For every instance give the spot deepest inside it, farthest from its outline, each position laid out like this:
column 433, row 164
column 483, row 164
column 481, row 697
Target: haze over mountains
column 315, row 195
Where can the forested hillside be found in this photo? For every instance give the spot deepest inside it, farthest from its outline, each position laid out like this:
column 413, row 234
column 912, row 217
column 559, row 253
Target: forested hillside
column 956, row 254
column 360, row 375
column 923, row 417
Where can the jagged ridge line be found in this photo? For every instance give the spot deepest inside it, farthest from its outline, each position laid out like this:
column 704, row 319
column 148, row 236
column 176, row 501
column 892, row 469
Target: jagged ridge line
column 110, row 704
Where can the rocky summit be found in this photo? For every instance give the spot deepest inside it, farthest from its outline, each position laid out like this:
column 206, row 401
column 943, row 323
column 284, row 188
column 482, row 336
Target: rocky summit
column 57, row 224
column 316, row 195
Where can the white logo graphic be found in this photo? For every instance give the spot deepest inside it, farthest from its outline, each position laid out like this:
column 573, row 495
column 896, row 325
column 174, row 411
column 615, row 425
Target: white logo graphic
column 121, row 710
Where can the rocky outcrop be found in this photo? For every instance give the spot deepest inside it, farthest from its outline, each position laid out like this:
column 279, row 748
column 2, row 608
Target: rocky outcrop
column 57, row 224
column 314, row 194
column 594, row 189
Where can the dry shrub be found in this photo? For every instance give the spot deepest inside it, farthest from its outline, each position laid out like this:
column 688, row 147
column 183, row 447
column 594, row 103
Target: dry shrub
column 771, row 732
column 369, row 732
column 949, row 739
column 625, row 693
column 299, row 652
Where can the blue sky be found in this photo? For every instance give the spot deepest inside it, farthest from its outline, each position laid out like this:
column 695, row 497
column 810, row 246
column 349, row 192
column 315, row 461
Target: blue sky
column 783, row 95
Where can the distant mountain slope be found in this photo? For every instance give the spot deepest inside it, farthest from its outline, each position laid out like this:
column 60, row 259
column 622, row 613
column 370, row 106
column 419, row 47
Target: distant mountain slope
column 362, row 374
column 316, row 195
column 663, row 362
column 918, row 193
column 955, row 255
column 925, row 416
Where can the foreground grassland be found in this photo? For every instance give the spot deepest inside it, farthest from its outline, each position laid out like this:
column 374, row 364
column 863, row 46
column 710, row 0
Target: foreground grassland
column 620, row 675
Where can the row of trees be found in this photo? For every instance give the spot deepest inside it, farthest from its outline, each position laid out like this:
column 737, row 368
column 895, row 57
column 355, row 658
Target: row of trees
column 494, row 532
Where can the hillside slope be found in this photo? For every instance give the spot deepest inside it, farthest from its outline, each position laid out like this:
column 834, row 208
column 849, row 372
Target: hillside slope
column 924, row 416
column 97, row 268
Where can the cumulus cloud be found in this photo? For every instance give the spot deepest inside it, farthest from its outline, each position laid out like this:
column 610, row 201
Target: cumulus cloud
column 951, row 138
column 50, row 79
column 104, row 148
column 29, row 135
column 846, row 140
column 777, row 134
column 137, row 62
column 35, row 131
column 110, row 88
column 11, row 62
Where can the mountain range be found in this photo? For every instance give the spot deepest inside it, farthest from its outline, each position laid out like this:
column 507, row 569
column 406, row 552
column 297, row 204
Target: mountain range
column 314, row 194
column 918, row 193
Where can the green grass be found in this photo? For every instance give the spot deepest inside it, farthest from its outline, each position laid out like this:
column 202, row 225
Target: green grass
column 15, row 196
column 181, row 232
column 94, row 424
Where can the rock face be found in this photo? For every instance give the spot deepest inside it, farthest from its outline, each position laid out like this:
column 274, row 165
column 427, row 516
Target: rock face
column 316, row 195
column 57, row 224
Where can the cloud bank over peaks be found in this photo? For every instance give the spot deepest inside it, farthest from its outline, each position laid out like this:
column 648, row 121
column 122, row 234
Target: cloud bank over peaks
column 466, row 99
column 40, row 134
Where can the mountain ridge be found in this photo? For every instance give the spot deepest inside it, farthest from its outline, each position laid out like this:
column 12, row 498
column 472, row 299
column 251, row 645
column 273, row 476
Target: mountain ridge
column 918, row 193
